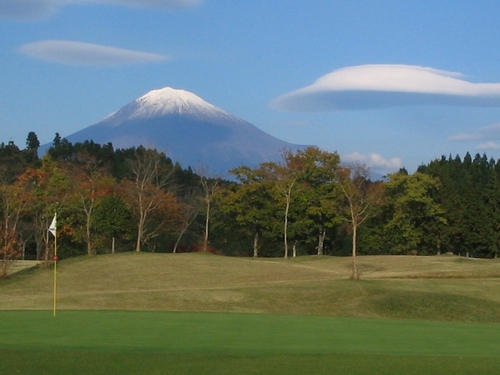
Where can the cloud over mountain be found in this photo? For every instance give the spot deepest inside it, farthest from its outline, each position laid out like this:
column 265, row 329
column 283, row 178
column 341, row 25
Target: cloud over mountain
column 78, row 53
column 383, row 86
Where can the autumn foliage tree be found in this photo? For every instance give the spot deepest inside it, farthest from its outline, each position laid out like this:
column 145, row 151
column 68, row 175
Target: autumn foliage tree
column 90, row 182
column 137, row 196
column 51, row 187
column 15, row 198
column 146, row 192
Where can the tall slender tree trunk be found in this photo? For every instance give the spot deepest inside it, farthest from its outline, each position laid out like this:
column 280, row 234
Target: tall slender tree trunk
column 355, row 273
column 285, row 226
column 87, row 234
column 207, row 226
column 321, row 241
column 140, row 228
column 183, row 230
column 256, row 244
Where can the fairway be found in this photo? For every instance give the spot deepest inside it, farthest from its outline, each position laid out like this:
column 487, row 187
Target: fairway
column 91, row 342
column 139, row 313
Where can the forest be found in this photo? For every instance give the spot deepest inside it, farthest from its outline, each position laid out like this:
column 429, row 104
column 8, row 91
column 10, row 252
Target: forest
column 114, row 200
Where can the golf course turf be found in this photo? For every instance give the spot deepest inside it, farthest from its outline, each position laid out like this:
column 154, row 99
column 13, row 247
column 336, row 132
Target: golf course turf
column 201, row 314
column 105, row 342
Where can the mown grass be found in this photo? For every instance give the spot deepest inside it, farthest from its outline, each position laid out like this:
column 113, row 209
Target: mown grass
column 91, row 342
column 427, row 288
column 217, row 315
column 15, row 266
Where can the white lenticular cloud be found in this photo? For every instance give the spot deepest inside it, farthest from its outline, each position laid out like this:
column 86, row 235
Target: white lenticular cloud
column 78, row 53
column 36, row 9
column 382, row 86
column 373, row 160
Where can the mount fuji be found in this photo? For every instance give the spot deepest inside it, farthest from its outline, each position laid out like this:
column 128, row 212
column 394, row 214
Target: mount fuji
column 189, row 130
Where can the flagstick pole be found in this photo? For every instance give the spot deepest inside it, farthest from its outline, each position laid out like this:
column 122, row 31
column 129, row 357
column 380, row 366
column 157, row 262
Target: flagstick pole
column 55, row 259
column 55, row 274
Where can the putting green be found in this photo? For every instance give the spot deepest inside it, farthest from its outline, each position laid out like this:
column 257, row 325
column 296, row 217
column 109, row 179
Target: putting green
column 95, row 342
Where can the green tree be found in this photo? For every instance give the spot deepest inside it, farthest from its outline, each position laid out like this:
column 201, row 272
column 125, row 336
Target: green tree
column 416, row 213
column 12, row 161
column 112, row 219
column 320, row 192
column 252, row 203
column 32, row 145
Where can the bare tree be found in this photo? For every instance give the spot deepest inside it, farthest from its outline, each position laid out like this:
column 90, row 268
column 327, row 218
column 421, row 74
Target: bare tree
column 362, row 197
column 150, row 176
column 285, row 176
column 189, row 211
column 210, row 186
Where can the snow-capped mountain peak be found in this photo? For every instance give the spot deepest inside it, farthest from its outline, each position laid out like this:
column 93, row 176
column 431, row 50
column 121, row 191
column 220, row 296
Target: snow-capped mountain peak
column 189, row 130
column 167, row 101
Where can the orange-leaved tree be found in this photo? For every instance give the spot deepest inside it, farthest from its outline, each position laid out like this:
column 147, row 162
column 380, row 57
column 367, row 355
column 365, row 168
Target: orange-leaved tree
column 147, row 194
column 15, row 200
column 91, row 182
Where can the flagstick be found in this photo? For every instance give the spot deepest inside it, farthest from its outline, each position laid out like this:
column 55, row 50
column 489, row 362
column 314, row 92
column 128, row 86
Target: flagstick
column 53, row 230
column 55, row 273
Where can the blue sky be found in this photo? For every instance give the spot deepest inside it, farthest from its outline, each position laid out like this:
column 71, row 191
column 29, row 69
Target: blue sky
column 390, row 83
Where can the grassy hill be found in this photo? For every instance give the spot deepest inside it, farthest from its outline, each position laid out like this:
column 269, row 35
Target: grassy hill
column 438, row 288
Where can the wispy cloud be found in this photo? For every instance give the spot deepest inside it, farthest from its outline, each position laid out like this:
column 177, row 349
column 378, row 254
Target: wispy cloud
column 374, row 160
column 463, row 137
column 28, row 9
column 489, row 134
column 167, row 4
column 36, row 9
column 78, row 53
column 490, row 145
column 382, row 86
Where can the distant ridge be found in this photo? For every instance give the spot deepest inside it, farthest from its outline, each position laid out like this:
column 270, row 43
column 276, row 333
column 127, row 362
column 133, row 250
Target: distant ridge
column 189, row 130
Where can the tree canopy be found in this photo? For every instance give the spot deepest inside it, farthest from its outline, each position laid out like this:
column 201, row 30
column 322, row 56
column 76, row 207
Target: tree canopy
column 310, row 202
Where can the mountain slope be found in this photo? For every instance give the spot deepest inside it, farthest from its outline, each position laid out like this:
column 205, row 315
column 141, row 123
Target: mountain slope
column 188, row 129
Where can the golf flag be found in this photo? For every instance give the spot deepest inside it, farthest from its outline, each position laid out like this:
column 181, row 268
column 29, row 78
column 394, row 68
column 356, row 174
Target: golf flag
column 53, row 230
column 53, row 226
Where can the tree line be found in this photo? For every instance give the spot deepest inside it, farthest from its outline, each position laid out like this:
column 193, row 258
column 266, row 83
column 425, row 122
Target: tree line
column 310, row 202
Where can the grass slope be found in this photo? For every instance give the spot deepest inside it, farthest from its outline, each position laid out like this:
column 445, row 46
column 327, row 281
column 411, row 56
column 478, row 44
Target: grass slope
column 313, row 319
column 92, row 342
column 439, row 288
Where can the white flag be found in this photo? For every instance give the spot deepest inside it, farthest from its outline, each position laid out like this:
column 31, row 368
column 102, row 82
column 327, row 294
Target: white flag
column 53, row 225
